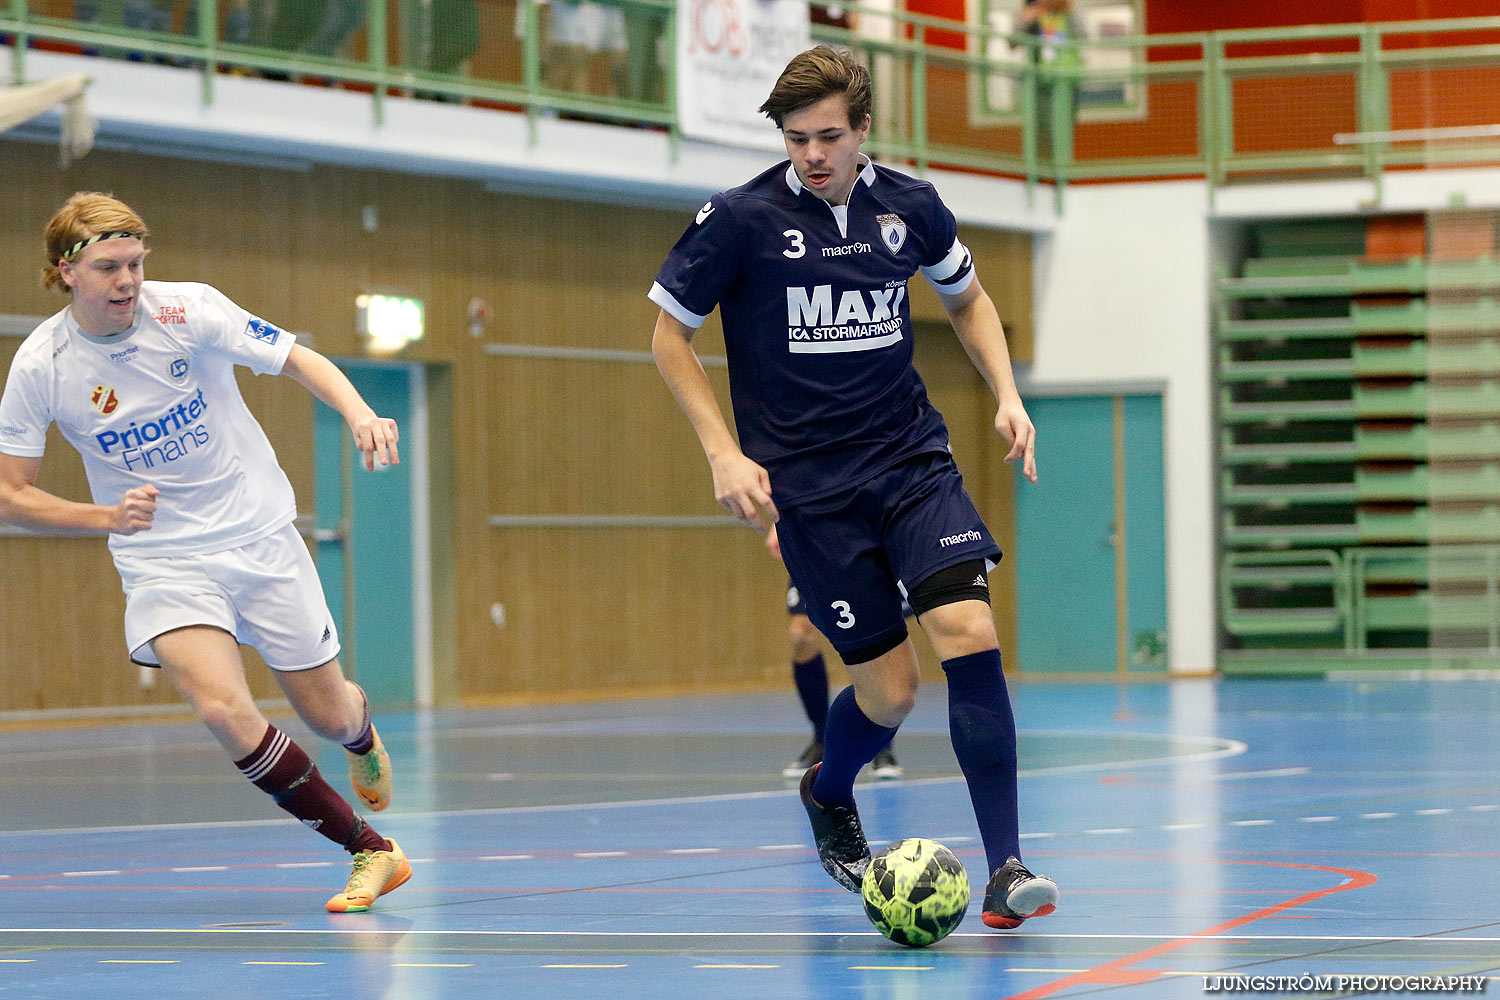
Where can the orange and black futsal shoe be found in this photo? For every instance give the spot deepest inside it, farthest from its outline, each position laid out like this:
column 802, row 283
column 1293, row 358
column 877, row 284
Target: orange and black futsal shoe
column 1015, row 894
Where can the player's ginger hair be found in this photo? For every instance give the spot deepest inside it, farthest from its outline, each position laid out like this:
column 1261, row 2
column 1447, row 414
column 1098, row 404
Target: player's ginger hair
column 87, row 213
column 814, row 75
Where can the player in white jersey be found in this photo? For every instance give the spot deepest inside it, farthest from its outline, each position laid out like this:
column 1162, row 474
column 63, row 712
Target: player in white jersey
column 139, row 377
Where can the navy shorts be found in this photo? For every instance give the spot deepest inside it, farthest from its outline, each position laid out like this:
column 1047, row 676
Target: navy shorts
column 795, row 605
column 855, row 554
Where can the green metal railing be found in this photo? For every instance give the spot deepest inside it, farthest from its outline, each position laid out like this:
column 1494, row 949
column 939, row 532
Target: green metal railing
column 1329, row 100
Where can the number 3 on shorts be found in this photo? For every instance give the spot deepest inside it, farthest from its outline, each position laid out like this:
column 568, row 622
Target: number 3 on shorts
column 846, row 620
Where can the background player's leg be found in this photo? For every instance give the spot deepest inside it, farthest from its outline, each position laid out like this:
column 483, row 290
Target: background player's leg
column 863, row 718
column 809, row 673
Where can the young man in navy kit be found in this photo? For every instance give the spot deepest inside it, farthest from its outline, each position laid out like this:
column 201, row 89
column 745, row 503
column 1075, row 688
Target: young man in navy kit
column 835, row 424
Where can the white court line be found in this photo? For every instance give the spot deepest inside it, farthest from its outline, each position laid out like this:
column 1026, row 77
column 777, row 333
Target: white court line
column 1279, row 772
column 985, row 936
column 1219, row 748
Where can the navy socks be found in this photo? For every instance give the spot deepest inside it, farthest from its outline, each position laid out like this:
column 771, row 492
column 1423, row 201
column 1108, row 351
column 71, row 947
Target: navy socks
column 851, row 742
column 984, row 740
column 811, row 678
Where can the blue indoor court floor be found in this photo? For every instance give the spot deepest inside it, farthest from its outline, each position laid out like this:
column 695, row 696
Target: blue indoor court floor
column 627, row 849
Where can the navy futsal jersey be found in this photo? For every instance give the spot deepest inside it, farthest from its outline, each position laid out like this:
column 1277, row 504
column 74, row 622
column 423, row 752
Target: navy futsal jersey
column 816, row 322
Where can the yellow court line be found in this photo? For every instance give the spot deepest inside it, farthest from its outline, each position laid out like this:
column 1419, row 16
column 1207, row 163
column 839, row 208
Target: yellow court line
column 432, row 965
column 137, row 961
column 16, row 961
column 281, row 963
column 891, row 968
column 585, row 966
column 736, row 966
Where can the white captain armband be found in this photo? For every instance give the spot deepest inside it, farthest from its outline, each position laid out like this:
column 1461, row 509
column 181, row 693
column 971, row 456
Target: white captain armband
column 954, row 273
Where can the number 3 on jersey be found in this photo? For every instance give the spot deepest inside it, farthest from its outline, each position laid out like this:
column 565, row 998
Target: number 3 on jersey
column 798, row 248
column 846, row 620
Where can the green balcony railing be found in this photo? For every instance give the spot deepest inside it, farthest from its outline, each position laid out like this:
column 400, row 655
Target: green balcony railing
column 1319, row 101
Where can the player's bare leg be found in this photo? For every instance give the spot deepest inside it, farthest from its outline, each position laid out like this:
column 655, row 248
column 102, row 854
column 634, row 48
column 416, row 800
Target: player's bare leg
column 203, row 662
column 336, row 709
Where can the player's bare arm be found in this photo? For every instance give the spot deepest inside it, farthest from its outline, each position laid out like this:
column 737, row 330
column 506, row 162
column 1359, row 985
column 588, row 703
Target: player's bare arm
column 22, row 503
column 374, row 436
column 740, row 485
column 978, row 326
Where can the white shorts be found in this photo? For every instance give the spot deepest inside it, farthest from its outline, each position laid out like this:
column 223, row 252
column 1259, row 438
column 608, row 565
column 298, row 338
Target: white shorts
column 266, row 594
column 592, row 26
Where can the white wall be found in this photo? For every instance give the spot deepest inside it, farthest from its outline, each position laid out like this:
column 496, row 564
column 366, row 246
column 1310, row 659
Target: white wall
column 1121, row 291
column 1123, row 294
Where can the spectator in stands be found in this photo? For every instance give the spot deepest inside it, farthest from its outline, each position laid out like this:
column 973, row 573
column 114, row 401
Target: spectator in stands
column 645, row 27
column 1055, row 54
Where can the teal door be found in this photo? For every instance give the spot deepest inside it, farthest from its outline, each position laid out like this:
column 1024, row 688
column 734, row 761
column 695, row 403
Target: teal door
column 1090, row 545
column 365, row 554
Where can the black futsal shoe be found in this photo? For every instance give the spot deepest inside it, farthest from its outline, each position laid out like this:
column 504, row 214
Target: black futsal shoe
column 884, row 767
column 841, row 841
column 1014, row 894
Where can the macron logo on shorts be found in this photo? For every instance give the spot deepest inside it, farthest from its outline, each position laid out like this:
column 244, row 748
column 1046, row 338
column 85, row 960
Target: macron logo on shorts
column 959, row 539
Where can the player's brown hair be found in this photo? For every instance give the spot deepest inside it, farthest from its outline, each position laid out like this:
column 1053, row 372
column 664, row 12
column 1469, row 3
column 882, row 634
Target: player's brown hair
column 814, row 75
column 87, row 214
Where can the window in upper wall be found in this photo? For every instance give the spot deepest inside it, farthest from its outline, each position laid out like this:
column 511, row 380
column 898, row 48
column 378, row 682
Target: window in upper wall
column 995, row 95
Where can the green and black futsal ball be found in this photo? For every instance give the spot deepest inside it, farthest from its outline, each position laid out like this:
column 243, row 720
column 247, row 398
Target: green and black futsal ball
column 916, row 891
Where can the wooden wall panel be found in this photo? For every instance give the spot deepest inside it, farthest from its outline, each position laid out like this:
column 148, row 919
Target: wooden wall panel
column 618, row 610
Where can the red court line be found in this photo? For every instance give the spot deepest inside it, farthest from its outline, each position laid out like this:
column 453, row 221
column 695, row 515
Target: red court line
column 1115, row 973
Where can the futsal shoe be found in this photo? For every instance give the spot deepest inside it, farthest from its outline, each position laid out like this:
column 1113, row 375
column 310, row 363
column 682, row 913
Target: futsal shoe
column 841, row 840
column 884, row 766
column 1015, row 894
column 370, row 774
column 812, row 755
column 375, row 874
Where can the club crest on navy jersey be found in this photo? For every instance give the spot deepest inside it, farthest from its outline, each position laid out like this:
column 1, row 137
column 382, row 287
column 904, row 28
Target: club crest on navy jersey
column 892, row 232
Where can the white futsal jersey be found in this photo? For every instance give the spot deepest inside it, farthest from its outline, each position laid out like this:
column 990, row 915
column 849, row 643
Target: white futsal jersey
column 158, row 404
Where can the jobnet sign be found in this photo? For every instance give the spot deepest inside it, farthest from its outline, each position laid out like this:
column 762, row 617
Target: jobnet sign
column 729, row 53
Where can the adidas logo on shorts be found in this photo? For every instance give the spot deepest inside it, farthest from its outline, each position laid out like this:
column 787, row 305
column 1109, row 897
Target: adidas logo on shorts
column 327, row 633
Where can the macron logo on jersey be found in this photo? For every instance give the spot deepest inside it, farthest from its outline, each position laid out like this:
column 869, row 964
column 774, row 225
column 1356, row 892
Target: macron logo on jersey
column 863, row 320
column 262, row 331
